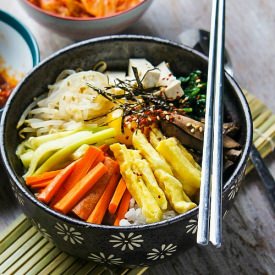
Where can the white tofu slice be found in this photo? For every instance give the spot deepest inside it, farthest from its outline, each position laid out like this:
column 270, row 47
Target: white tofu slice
column 171, row 86
column 113, row 75
column 146, row 72
column 166, row 75
column 151, row 79
column 173, row 90
column 141, row 64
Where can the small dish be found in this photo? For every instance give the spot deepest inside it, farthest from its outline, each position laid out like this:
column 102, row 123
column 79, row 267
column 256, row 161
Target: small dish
column 84, row 28
column 19, row 51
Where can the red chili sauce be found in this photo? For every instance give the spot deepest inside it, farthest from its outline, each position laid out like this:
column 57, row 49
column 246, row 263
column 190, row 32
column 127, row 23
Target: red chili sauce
column 7, row 84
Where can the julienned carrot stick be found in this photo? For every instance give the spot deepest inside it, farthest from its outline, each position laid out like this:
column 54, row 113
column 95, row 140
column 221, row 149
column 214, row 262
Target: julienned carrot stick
column 100, row 158
column 104, row 147
column 85, row 207
column 120, row 189
column 123, row 207
column 87, row 161
column 102, row 205
column 50, row 190
column 41, row 184
column 45, row 176
column 91, row 157
column 80, row 189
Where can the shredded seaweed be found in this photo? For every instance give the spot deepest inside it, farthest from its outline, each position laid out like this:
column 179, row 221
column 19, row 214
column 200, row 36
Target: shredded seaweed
column 141, row 103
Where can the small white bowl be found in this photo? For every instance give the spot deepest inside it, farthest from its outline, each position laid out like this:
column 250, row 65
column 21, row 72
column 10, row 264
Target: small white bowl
column 19, row 52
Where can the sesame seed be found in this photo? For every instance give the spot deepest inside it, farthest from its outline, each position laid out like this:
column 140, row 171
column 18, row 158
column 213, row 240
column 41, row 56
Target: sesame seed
column 188, row 124
column 192, row 130
column 167, row 117
column 200, row 129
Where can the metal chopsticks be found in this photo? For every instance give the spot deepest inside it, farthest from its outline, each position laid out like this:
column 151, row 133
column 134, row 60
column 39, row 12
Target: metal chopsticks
column 212, row 161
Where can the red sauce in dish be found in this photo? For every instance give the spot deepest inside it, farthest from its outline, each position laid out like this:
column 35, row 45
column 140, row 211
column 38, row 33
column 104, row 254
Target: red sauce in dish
column 85, row 8
column 7, row 84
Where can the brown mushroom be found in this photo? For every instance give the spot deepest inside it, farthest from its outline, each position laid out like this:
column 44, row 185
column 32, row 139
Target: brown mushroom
column 230, row 128
column 196, row 129
column 171, row 130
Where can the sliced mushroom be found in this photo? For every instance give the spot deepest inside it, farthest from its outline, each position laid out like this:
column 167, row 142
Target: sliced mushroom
column 196, row 129
column 227, row 163
column 230, row 128
column 232, row 154
column 171, row 130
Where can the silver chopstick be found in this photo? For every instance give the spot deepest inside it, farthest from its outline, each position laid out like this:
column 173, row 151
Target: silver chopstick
column 203, row 218
column 217, row 163
column 212, row 150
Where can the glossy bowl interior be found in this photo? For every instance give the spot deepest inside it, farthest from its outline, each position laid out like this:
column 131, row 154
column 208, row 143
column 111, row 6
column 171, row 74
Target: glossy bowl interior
column 84, row 28
column 98, row 242
column 19, row 52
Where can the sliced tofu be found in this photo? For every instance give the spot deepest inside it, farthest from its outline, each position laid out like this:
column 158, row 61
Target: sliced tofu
column 113, row 75
column 146, row 72
column 171, row 86
column 166, row 75
column 141, row 64
column 173, row 90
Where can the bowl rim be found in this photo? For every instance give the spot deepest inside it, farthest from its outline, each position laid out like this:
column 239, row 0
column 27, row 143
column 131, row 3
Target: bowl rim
column 178, row 218
column 24, row 32
column 78, row 19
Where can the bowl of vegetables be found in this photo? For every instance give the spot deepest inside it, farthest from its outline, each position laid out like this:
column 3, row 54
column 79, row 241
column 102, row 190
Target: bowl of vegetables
column 14, row 64
column 102, row 143
column 83, row 19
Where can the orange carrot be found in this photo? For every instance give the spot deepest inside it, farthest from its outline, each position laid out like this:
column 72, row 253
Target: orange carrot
column 80, row 189
column 50, row 190
column 45, row 176
column 102, row 205
column 123, row 207
column 104, row 148
column 41, row 184
column 85, row 207
column 91, row 157
column 100, row 158
column 84, row 165
column 120, row 189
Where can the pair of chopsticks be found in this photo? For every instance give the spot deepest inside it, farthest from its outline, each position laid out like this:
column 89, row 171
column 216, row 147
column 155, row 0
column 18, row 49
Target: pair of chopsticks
column 210, row 224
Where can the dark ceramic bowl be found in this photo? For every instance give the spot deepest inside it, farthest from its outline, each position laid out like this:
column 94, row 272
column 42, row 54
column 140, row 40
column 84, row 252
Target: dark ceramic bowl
column 84, row 28
column 135, row 245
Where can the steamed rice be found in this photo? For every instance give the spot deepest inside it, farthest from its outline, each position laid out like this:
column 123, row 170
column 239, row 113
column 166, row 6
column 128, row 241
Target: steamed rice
column 134, row 215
